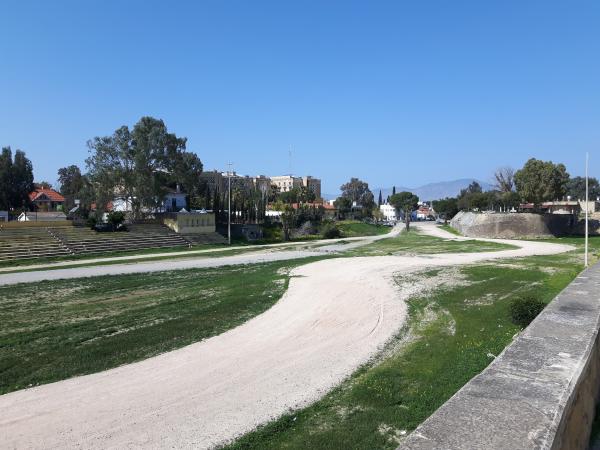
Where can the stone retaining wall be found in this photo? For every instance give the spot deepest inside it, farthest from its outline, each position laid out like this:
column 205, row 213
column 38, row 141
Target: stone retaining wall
column 539, row 393
column 519, row 225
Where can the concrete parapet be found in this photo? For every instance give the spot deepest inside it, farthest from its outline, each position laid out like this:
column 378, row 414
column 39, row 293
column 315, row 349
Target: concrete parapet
column 539, row 393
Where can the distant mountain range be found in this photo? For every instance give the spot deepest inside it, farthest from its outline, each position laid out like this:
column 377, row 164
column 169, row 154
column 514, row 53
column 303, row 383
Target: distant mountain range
column 431, row 191
column 434, row 191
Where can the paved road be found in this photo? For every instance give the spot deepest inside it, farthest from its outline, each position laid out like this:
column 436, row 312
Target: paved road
column 335, row 315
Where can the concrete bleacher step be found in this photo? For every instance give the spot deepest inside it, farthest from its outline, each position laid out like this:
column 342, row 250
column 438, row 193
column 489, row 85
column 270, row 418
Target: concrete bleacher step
column 31, row 243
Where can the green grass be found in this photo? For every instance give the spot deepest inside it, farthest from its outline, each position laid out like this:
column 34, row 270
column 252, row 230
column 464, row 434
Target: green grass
column 59, row 329
column 450, row 337
column 449, row 229
column 412, row 242
column 354, row 228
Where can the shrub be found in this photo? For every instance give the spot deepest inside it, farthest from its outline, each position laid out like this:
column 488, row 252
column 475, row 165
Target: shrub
column 116, row 218
column 331, row 231
column 524, row 309
column 91, row 221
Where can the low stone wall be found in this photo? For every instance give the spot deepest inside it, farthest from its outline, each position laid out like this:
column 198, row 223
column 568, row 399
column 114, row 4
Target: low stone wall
column 539, row 393
column 518, row 225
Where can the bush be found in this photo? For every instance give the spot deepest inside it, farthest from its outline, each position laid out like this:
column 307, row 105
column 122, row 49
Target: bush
column 116, row 218
column 331, row 231
column 91, row 221
column 524, row 309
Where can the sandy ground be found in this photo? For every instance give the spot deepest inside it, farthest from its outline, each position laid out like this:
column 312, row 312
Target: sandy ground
column 336, row 314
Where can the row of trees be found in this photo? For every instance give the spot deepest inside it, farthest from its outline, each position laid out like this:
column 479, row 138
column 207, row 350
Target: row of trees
column 537, row 182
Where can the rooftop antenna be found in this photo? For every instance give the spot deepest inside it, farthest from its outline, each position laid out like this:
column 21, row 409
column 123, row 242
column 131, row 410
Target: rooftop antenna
column 290, row 159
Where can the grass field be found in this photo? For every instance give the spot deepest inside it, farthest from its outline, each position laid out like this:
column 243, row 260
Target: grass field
column 453, row 333
column 449, row 229
column 354, row 228
column 55, row 330
column 413, row 242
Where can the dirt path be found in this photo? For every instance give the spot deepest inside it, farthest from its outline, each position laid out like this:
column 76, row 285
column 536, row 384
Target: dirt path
column 213, row 252
column 335, row 315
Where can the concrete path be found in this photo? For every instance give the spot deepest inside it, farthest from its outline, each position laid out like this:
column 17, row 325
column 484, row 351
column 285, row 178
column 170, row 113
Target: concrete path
column 336, row 314
column 191, row 253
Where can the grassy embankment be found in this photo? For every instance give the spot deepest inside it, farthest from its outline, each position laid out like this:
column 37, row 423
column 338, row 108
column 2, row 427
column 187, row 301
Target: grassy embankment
column 59, row 329
column 452, row 334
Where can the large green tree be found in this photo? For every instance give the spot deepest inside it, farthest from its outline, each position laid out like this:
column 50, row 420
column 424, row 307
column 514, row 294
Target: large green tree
column 6, row 186
column 73, row 185
column 446, row 208
column 539, row 181
column 358, row 191
column 16, row 180
column 405, row 202
column 576, row 188
column 140, row 165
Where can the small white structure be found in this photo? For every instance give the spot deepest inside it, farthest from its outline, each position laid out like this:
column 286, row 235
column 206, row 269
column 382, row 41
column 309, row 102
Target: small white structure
column 389, row 212
column 174, row 201
column 42, row 216
column 192, row 222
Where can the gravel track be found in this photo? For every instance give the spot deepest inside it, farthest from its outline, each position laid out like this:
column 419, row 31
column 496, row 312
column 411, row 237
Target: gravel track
column 336, row 314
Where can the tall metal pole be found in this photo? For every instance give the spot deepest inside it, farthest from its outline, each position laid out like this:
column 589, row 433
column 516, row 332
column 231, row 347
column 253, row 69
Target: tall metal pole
column 587, row 207
column 229, row 204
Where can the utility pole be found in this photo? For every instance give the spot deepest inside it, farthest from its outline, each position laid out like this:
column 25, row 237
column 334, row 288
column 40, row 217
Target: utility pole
column 587, row 207
column 229, row 204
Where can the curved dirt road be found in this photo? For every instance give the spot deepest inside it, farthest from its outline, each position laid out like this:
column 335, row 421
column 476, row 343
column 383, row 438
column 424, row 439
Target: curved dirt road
column 335, row 315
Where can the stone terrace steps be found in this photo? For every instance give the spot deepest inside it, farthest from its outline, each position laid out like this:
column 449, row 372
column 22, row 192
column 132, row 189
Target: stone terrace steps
column 31, row 243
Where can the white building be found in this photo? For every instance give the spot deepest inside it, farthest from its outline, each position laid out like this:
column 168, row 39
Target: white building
column 389, row 212
column 286, row 183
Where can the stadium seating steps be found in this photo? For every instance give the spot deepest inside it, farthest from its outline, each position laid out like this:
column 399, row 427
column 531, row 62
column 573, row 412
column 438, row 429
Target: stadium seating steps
column 31, row 243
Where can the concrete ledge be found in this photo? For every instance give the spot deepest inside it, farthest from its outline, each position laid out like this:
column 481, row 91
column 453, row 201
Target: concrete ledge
column 540, row 393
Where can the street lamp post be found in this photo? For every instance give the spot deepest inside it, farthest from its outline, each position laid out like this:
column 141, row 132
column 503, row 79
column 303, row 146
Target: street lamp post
column 229, row 204
column 587, row 207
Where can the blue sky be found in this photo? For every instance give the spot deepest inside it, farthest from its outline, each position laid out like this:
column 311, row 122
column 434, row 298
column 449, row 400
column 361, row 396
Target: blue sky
column 393, row 92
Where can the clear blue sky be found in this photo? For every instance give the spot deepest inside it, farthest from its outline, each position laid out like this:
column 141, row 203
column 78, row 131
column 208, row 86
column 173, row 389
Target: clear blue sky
column 393, row 92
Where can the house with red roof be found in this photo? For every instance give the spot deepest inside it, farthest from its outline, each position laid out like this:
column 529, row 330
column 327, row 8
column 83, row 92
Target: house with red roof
column 46, row 199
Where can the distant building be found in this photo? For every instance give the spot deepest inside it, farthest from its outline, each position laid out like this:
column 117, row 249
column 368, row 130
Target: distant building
column 562, row 207
column 174, row 201
column 262, row 183
column 286, row 183
column 3, row 216
column 219, row 181
column 44, row 199
column 389, row 212
column 424, row 212
column 213, row 180
column 313, row 185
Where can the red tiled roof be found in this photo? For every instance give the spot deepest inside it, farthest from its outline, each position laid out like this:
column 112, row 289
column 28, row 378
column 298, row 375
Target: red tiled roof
column 50, row 193
column 109, row 206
